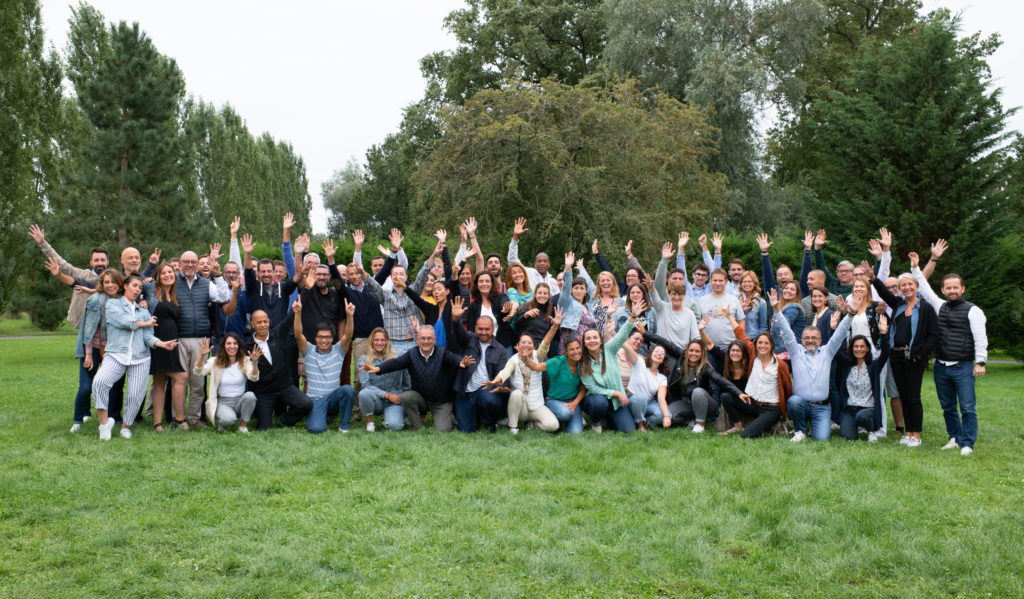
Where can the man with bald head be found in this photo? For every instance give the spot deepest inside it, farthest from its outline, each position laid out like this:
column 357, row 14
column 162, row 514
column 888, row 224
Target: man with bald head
column 195, row 295
column 539, row 273
column 275, row 392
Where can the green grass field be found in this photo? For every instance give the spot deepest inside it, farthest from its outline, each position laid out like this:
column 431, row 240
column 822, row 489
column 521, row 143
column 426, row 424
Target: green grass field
column 663, row 514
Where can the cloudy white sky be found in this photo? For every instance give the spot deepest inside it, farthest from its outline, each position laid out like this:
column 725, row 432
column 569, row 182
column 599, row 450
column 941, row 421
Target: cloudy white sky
column 332, row 77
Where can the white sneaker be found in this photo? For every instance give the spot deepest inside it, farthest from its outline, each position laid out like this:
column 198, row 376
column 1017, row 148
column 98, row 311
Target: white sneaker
column 106, row 428
column 513, row 430
column 371, row 427
column 951, row 445
column 698, row 428
column 344, row 430
column 905, row 439
column 835, row 426
column 913, row 442
column 243, row 429
column 873, row 437
column 76, row 427
column 798, row 437
column 966, row 451
column 86, row 418
column 596, row 428
column 126, row 433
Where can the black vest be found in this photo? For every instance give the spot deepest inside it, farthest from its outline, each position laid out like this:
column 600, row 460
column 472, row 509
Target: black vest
column 195, row 307
column 956, row 343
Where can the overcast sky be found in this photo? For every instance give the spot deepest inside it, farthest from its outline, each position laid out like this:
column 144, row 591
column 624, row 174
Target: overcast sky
column 332, row 77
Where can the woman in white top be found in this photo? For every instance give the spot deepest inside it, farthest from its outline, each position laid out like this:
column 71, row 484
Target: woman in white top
column 526, row 401
column 228, row 401
column 648, row 379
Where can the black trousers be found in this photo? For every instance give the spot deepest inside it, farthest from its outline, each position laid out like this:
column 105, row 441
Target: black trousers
column 908, row 375
column 289, row 403
column 765, row 417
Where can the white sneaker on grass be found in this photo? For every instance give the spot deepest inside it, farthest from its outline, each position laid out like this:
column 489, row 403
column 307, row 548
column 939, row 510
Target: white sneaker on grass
column 798, row 437
column 76, row 427
column 106, row 428
column 835, row 426
column 913, row 442
column 966, row 451
column 86, row 418
column 952, row 444
column 596, row 428
column 344, row 430
column 513, row 430
column 126, row 433
column 905, row 439
column 371, row 427
column 243, row 429
column 873, row 437
column 698, row 428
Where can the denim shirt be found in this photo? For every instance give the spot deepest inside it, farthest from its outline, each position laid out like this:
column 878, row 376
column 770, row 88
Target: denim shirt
column 573, row 309
column 756, row 320
column 92, row 318
column 121, row 320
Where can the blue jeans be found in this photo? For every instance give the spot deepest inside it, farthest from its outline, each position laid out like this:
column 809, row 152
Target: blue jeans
column 853, row 417
column 400, row 347
column 481, row 402
column 625, row 418
column 394, row 414
column 955, row 384
column 596, row 406
column 820, row 416
column 82, row 404
column 338, row 402
column 654, row 415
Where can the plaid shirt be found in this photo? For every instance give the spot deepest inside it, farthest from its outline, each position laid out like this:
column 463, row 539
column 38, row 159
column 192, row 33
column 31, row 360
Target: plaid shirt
column 398, row 309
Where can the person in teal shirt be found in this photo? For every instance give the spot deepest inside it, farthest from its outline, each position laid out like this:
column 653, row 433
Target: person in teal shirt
column 601, row 376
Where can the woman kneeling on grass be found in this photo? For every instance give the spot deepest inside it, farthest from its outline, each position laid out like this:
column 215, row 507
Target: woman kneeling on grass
column 601, row 376
column 566, row 391
column 129, row 339
column 229, row 402
column 860, row 390
column 382, row 393
column 648, row 379
column 526, row 401
column 765, row 378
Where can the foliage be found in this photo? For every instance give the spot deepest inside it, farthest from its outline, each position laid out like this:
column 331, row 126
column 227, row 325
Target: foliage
column 578, row 161
column 663, row 514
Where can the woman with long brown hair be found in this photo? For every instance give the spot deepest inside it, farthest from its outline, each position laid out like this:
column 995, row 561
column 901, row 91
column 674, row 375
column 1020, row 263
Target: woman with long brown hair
column 228, row 401
column 534, row 317
column 165, row 365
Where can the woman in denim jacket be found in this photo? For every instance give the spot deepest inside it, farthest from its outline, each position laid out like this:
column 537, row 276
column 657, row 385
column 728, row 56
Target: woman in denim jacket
column 129, row 339
column 574, row 302
column 92, row 339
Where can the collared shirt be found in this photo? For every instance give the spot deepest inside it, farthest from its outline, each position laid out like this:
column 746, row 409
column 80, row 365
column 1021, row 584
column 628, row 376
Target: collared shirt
column 399, row 311
column 811, row 371
column 480, row 372
column 763, row 384
column 265, row 348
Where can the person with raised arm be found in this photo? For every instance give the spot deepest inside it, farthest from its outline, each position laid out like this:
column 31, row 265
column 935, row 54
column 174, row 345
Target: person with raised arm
column 702, row 272
column 811, row 278
column 264, row 292
column 606, row 301
column 534, row 317
column 960, row 355
column 239, row 319
column 526, row 392
column 229, row 369
column 129, row 340
column 600, row 374
column 566, row 396
column 444, row 291
column 676, row 322
column 773, row 279
column 540, row 272
column 574, row 302
column 472, row 399
column 754, row 306
column 432, row 371
column 275, row 390
column 648, row 379
column 790, row 309
column 98, row 262
column 635, row 293
column 663, row 277
column 718, row 327
column 765, row 380
column 634, row 272
column 324, row 361
column 401, row 314
column 859, row 379
column 812, row 369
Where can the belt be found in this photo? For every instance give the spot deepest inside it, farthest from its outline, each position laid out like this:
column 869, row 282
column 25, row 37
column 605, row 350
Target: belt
column 820, row 403
column 767, row 404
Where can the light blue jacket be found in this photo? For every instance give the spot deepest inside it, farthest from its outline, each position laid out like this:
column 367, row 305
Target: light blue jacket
column 92, row 318
column 573, row 309
column 123, row 336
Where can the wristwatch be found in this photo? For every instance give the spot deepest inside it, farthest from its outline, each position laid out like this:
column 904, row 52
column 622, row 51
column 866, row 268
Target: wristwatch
column 982, row 364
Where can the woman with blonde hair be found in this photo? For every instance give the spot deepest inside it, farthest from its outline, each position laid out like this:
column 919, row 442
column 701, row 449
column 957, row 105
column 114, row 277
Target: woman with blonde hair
column 606, row 299
column 382, row 393
column 229, row 370
column 791, row 309
column 755, row 308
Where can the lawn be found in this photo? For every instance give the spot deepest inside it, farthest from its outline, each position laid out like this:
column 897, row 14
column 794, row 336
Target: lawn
column 663, row 514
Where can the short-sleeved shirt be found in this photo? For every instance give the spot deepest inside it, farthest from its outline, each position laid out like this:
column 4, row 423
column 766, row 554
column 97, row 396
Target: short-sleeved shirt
column 644, row 384
column 323, row 370
column 719, row 329
column 564, row 384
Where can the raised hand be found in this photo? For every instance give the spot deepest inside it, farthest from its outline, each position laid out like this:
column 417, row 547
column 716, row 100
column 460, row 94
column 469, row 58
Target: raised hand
column 886, row 238
column 638, row 308
column 836, row 315
column 856, row 303
column 819, row 239
column 53, row 267
column 629, row 248
column 579, row 264
column 469, row 253
column 235, row 226
column 442, row 236
column 841, row 306
column 593, row 248
column 458, row 309
column 648, row 283
column 329, row 250
column 297, row 306
column 667, row 251
column 235, row 284
column 462, row 232
column 204, row 346
column 302, row 243
column 915, row 260
column 808, row 240
column 746, row 303
column 723, row 310
column 519, row 228
column 214, row 252
column 773, row 299
column 37, row 234
column 383, row 250
column 350, row 309
column 255, row 354
column 939, row 248
column 684, row 238
column 559, row 315
column 570, row 257
column 875, row 248
column 763, row 243
column 467, row 361
column 358, row 238
column 704, row 320
column 154, row 258
column 396, row 239
column 470, row 226
column 716, row 241
column 288, row 222
column 247, row 243
column 868, row 271
column 703, row 241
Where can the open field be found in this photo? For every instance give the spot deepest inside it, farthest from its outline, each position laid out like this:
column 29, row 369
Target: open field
column 424, row 514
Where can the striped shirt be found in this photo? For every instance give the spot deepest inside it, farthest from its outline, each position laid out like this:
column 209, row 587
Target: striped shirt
column 323, row 370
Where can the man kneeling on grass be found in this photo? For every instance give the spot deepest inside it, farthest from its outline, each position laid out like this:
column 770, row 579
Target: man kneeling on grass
column 274, row 390
column 432, row 370
column 324, row 363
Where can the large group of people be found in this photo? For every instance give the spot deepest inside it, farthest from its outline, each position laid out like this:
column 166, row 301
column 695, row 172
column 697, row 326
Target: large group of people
column 476, row 342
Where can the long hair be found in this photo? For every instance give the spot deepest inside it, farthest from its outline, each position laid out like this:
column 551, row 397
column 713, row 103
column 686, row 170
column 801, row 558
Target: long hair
column 701, row 363
column 165, row 293
column 849, row 349
column 796, row 299
column 749, row 274
column 222, row 359
column 744, row 361
column 475, row 292
column 545, row 310
column 615, row 286
column 585, row 366
column 523, row 287
column 629, row 302
column 388, row 352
